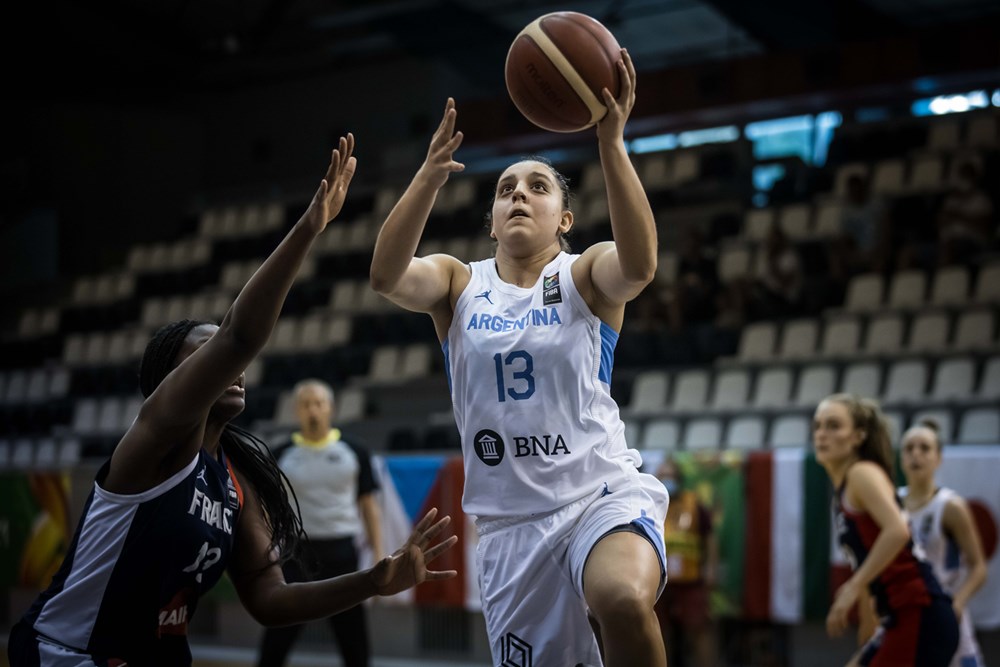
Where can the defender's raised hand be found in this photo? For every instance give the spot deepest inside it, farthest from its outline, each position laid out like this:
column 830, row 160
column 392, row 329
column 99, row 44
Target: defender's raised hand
column 329, row 198
column 407, row 567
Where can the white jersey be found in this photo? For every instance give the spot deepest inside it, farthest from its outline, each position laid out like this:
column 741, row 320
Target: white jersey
column 530, row 373
column 944, row 555
column 940, row 550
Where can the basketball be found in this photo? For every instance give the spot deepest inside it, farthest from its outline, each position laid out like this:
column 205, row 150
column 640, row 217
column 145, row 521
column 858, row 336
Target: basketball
column 556, row 68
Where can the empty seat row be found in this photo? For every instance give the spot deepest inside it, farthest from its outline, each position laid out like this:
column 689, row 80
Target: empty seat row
column 311, row 333
column 712, row 434
column 979, row 129
column 926, row 173
column 36, row 385
column 162, row 257
column 209, row 306
column 39, row 453
column 234, row 222
column 886, row 334
column 705, row 433
column 107, row 416
column 905, row 381
column 913, row 289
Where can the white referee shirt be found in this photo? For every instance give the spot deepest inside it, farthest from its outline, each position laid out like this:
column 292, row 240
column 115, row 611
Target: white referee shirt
column 328, row 477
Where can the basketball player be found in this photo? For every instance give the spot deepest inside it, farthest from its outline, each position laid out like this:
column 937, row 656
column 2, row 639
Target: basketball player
column 566, row 523
column 943, row 527
column 186, row 495
column 918, row 627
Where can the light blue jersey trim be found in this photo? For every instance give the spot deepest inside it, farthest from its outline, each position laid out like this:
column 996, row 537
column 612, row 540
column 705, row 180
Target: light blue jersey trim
column 646, row 524
column 609, row 338
column 447, row 363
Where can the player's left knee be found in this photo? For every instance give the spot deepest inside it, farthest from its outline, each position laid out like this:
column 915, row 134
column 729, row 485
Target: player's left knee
column 622, row 606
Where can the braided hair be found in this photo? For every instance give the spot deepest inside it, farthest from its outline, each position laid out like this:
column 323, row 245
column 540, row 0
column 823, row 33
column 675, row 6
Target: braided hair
column 249, row 454
column 867, row 416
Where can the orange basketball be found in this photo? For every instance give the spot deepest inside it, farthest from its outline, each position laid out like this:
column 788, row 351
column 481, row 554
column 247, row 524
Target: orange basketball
column 556, row 68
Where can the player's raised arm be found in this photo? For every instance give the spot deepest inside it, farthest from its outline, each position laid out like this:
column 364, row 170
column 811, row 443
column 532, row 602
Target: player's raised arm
column 622, row 270
column 419, row 284
column 170, row 427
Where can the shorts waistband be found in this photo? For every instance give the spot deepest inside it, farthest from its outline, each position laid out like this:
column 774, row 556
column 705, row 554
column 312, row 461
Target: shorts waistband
column 488, row 525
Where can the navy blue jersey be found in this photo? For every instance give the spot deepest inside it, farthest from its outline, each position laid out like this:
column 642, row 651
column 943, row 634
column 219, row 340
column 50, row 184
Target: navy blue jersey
column 138, row 564
column 906, row 580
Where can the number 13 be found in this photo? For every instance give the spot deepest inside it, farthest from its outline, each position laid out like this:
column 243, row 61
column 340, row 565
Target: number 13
column 523, row 374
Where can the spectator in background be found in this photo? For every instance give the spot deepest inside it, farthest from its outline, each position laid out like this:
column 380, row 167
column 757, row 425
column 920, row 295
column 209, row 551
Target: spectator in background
column 965, row 221
column 692, row 562
column 335, row 487
column 777, row 292
column 692, row 299
column 861, row 245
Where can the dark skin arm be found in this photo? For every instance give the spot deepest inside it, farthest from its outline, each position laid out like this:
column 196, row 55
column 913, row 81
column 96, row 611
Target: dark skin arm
column 272, row 602
column 172, row 422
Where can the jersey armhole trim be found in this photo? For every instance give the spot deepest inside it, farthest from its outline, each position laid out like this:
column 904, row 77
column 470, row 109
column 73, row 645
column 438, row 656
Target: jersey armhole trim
column 236, row 482
column 149, row 494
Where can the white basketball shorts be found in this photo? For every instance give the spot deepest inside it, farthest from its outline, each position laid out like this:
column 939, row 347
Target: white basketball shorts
column 531, row 571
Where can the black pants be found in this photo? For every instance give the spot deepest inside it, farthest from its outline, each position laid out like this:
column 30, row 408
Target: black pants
column 326, row 558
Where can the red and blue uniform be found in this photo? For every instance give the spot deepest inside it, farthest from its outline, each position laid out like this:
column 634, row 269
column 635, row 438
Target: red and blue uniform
column 918, row 627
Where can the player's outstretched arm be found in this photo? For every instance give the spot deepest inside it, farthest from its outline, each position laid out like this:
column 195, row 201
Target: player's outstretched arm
column 272, row 602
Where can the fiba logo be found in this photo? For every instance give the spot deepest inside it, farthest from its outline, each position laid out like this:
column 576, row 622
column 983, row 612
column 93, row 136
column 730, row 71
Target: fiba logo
column 489, row 447
column 516, row 652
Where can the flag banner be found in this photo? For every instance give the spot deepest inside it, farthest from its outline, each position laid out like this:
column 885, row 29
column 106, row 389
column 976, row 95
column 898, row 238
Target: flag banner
column 972, row 471
column 34, row 527
column 404, row 483
column 771, row 510
column 717, row 479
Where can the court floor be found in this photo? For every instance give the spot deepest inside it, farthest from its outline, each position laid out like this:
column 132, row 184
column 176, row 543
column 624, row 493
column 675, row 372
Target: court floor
column 215, row 656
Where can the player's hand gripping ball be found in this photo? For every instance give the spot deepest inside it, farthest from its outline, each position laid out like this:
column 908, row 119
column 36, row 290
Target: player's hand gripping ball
column 556, row 68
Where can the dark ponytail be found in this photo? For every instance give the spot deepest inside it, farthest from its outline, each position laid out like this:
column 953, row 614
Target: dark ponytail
column 248, row 453
column 252, row 457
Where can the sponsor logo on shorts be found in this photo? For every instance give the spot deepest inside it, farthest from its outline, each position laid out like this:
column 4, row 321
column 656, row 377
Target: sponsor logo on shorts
column 516, row 652
column 489, row 447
